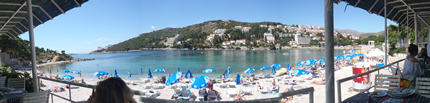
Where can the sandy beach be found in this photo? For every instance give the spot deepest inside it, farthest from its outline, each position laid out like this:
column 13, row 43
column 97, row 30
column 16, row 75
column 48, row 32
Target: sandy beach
column 82, row 94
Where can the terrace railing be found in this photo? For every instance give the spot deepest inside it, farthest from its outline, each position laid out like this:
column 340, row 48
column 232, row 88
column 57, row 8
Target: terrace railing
column 309, row 90
column 340, row 81
column 64, row 82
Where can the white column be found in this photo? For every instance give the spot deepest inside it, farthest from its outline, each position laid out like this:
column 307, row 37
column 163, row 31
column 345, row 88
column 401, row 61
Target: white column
column 32, row 46
column 416, row 29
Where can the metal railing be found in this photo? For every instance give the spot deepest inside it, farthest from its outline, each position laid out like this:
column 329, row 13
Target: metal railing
column 340, row 81
column 309, row 90
column 65, row 82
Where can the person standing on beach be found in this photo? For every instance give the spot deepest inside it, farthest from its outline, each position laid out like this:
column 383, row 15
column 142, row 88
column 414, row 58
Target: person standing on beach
column 129, row 74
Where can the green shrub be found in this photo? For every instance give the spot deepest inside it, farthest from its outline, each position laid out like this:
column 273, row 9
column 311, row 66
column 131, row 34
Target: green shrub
column 237, row 48
column 12, row 74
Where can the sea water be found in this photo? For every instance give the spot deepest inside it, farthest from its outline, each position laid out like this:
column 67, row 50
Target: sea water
column 194, row 60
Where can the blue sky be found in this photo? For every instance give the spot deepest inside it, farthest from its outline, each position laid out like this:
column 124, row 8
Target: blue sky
column 101, row 22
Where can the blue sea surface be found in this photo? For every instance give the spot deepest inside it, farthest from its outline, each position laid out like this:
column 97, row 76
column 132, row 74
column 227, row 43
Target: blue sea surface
column 195, row 60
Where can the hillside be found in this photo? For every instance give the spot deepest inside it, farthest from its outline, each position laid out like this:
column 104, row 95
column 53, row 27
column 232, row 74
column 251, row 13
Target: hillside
column 198, row 32
column 353, row 32
column 369, row 34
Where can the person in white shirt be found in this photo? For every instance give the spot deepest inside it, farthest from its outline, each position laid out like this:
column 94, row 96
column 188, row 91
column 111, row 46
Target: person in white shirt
column 411, row 67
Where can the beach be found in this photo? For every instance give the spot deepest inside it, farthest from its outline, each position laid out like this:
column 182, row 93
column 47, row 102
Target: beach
column 82, row 94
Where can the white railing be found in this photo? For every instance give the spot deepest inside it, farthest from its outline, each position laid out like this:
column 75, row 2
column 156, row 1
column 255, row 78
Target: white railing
column 340, row 81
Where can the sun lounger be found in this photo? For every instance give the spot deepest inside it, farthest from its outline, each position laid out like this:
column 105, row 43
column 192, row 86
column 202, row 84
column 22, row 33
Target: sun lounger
column 185, row 94
column 232, row 84
column 212, row 94
column 173, row 86
column 186, row 80
column 143, row 92
column 152, row 93
column 286, row 76
column 231, row 93
column 223, row 85
column 247, row 91
column 146, row 80
column 148, row 86
column 184, row 85
column 176, row 94
column 263, row 91
column 202, row 94
column 160, row 86
column 289, row 82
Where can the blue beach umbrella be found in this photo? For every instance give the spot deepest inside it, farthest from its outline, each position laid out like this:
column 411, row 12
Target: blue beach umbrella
column 225, row 74
column 149, row 74
column 76, row 72
column 273, row 71
column 116, row 74
column 288, row 67
column 188, row 75
column 249, row 71
column 276, row 66
column 67, row 78
column 66, row 71
column 159, row 70
column 238, row 79
column 174, row 78
column 299, row 72
column 266, row 67
column 209, row 70
column 228, row 70
column 200, row 82
column 179, row 69
column 99, row 73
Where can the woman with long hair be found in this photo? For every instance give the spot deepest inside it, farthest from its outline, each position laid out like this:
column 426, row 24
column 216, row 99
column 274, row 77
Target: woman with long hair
column 112, row 90
column 411, row 67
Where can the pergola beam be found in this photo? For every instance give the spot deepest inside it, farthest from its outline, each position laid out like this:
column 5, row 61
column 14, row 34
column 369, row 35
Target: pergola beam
column 7, row 35
column 379, row 13
column 80, row 4
column 13, row 15
column 59, row 8
column 23, row 26
column 11, row 11
column 38, row 19
column 373, row 6
column 414, row 11
column 356, row 3
column 18, row 30
column 14, row 31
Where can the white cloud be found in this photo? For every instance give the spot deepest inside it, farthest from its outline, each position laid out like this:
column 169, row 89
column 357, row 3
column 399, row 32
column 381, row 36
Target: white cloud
column 152, row 27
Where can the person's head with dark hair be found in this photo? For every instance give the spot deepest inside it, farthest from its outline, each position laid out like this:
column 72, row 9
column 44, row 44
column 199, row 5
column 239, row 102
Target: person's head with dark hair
column 413, row 49
column 112, row 90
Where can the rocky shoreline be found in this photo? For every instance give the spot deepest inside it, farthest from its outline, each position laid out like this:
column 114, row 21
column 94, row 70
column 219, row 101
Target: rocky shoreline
column 63, row 62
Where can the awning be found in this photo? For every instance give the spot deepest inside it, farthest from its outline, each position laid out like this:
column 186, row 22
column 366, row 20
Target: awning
column 397, row 10
column 13, row 13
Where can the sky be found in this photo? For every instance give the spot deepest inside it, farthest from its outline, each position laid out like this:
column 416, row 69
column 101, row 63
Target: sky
column 99, row 23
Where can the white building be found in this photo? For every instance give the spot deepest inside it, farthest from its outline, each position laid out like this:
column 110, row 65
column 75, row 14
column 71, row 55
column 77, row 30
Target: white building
column 173, row 40
column 241, row 41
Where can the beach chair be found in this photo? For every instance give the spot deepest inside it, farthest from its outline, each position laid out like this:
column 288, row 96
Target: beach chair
column 152, row 93
column 275, row 88
column 387, row 82
column 223, row 85
column 212, row 94
column 202, row 94
column 247, row 91
column 38, row 97
column 145, row 80
column 185, row 94
column 143, row 92
column 147, row 86
column 2, row 81
column 289, row 82
column 176, row 94
column 160, row 86
column 231, row 93
column 17, row 83
column 184, row 85
column 263, row 91
column 232, row 85
column 422, row 86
